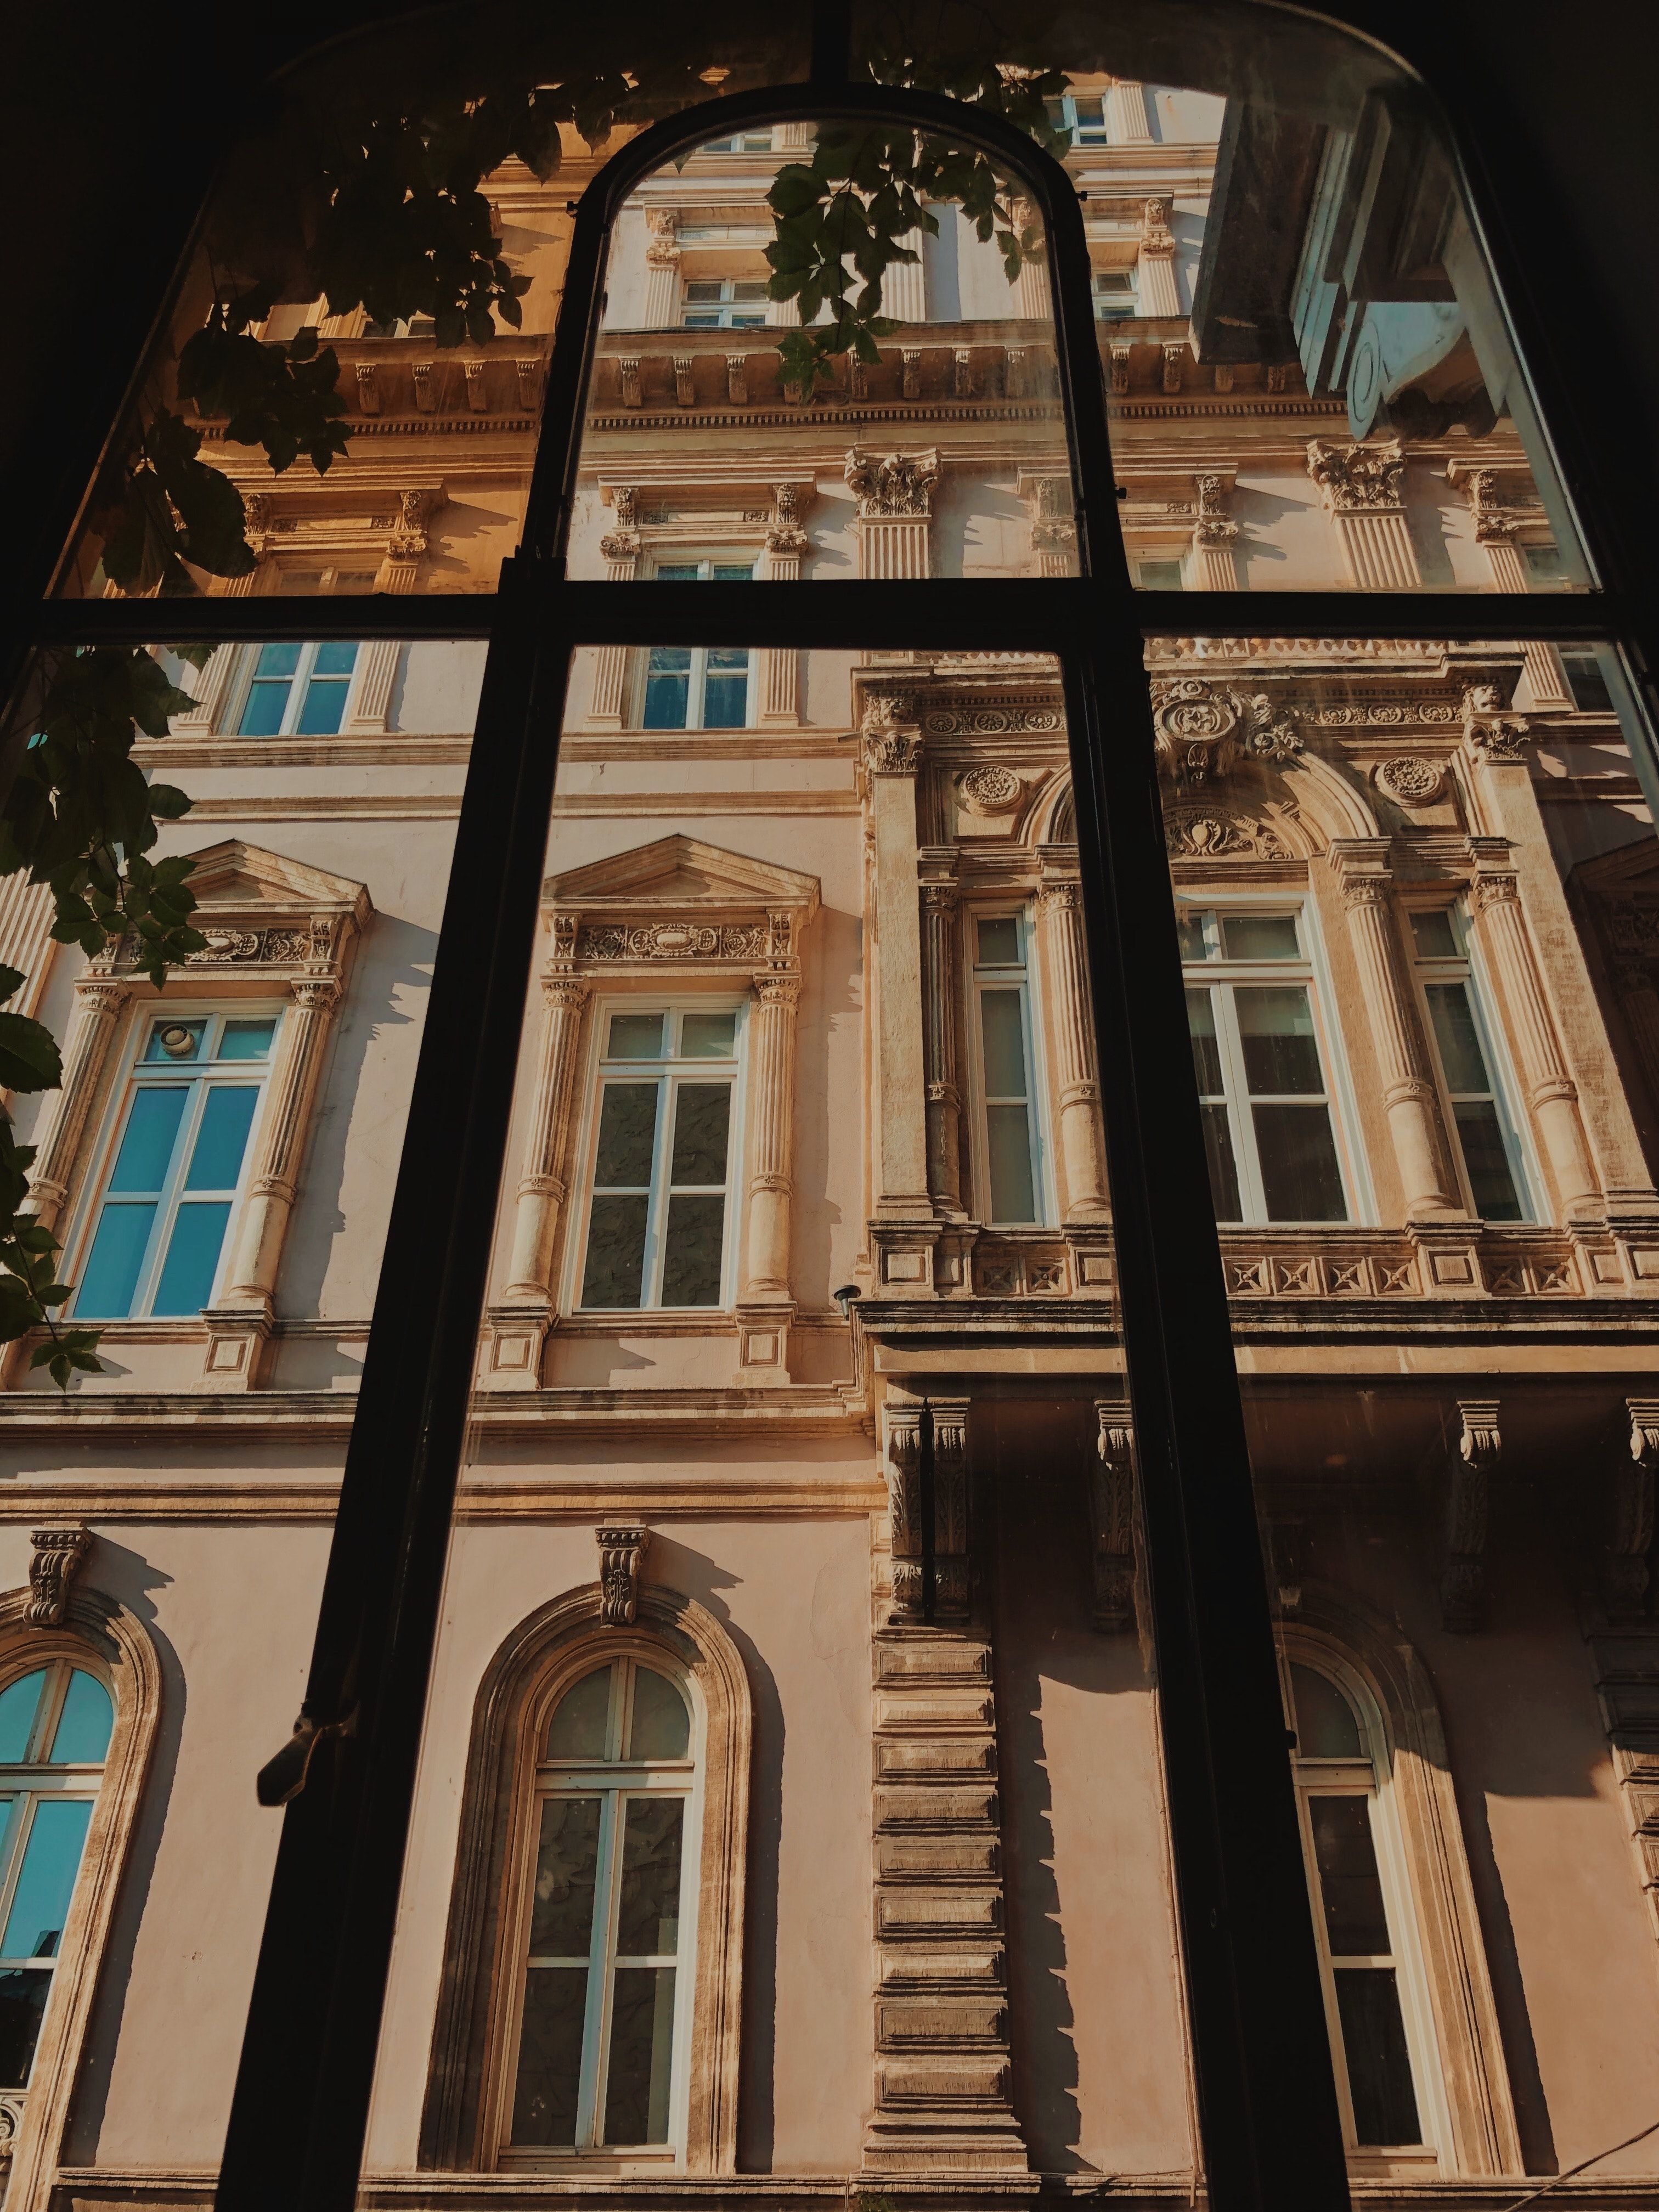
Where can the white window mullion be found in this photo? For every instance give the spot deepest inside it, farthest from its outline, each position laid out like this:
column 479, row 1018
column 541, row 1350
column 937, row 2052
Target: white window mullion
column 596, row 2021
column 167, row 1206
column 1252, row 1193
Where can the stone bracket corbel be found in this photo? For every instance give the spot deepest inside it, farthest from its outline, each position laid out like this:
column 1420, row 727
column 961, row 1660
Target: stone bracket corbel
column 1111, row 1478
column 622, row 1557
column 57, row 1555
column 1463, row 1578
column 1625, row 1572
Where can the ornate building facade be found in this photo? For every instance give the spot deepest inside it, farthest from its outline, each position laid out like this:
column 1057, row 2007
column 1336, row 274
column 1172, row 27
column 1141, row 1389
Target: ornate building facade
column 792, row 1814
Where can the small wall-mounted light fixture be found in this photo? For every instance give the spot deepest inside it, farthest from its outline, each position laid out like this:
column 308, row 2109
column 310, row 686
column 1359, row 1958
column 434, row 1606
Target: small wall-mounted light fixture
column 847, row 1297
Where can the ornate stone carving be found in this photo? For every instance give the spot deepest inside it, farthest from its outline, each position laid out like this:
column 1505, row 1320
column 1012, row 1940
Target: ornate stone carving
column 628, row 377
column 902, row 1424
column 1410, row 779
column 1156, row 236
column 950, row 1560
column 662, row 242
column 57, row 1555
column 1357, row 479
column 1201, row 729
column 409, row 537
column 1494, row 523
column 784, row 533
column 1491, row 733
column 1175, row 364
column 1464, row 1578
column 911, row 372
column 892, row 752
column 1195, row 833
column 1625, row 1574
column 1120, row 371
column 1111, row 1520
column 893, row 483
column 1053, row 523
column 679, row 938
column 621, row 1555
column 989, row 721
column 1214, row 526
column 990, row 789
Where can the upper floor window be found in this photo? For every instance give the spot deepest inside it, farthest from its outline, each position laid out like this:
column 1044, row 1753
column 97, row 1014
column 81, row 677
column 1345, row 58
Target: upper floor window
column 1269, row 1136
column 1160, row 575
column 745, row 142
column 1586, row 680
column 55, row 1725
column 1082, row 113
column 659, row 1226
column 698, row 687
column 723, row 303
column 178, row 1159
column 606, row 1919
column 1379, row 2035
column 1011, row 1148
column 1487, row 1140
column 297, row 690
column 1115, row 294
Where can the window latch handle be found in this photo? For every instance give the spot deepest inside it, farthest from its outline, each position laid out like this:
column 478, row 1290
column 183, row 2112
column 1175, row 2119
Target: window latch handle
column 282, row 1779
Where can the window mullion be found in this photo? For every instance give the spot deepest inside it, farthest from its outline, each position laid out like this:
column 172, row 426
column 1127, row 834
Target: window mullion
column 1252, row 1196
column 166, row 1203
column 596, row 2061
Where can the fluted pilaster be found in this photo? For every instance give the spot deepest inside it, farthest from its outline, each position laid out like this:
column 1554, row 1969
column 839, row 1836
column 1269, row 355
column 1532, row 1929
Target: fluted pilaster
column 262, row 1223
column 98, row 1003
column 1082, row 1138
column 542, row 1191
column 772, row 1093
column 944, row 1097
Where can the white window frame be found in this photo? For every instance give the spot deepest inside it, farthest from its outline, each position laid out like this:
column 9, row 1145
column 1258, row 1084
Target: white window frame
column 736, row 143
column 1369, row 1776
column 611, row 1782
column 1142, row 561
column 732, row 558
column 1463, row 967
column 1129, row 269
column 299, row 686
column 981, row 978
column 1099, row 135
column 668, row 1072
column 1309, row 970
column 725, row 307
column 135, row 1073
column 31, row 1780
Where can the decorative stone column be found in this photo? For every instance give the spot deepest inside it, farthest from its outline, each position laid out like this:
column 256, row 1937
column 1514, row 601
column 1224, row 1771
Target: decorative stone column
column 1155, row 285
column 371, row 688
column 1551, row 1091
column 1082, row 1138
column 1033, row 298
column 1496, row 527
column 904, row 283
column 662, row 269
column 902, row 1230
column 1214, row 536
column 779, row 666
column 542, row 1190
column 1361, row 487
column 621, row 549
column 100, row 1002
column 409, row 541
column 26, row 942
column 1402, row 1061
column 212, row 687
column 894, row 493
column 765, row 1306
column 940, row 909
column 1054, row 525
column 1126, row 113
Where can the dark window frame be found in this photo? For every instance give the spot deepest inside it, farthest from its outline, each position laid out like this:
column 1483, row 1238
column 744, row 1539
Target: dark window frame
column 1262, row 2058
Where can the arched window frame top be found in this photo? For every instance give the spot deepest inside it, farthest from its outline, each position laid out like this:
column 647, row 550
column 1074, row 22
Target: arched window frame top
column 1470, row 2116
column 468, row 2094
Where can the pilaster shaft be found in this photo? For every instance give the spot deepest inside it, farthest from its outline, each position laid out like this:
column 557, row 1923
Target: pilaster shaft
column 944, row 1097
column 264, row 1216
column 771, row 1092
column 542, row 1193
column 1082, row 1139
column 891, row 754
column 99, row 1002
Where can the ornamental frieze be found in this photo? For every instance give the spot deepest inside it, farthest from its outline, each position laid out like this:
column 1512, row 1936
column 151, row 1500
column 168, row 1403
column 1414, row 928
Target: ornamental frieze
column 1195, row 833
column 1202, row 729
column 992, row 721
column 673, row 939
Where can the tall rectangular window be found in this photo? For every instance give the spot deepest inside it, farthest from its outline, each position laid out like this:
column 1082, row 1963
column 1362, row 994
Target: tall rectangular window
column 297, row 690
column 1268, row 1131
column 1082, row 113
column 1115, row 294
column 723, row 303
column 658, row 1217
column 1486, row 1139
column 698, row 687
column 180, row 1153
column 1003, row 1025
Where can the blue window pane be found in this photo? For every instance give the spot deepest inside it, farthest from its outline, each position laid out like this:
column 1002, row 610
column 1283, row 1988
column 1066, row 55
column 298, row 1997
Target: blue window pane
column 323, row 709
column 246, row 1040
column 19, row 1701
column 262, row 714
column 192, row 1259
column 667, row 686
column 276, row 661
column 111, row 1275
column 84, row 1725
column 336, row 658
column 151, row 1132
column 725, row 688
column 51, row 1859
column 222, row 1140
column 177, row 1040
column 678, row 572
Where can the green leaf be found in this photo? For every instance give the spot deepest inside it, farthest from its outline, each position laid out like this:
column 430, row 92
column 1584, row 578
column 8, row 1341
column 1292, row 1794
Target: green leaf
column 29, row 1059
column 11, row 982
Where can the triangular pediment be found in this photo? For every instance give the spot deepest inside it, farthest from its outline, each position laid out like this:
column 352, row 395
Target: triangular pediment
column 238, row 877
column 674, row 873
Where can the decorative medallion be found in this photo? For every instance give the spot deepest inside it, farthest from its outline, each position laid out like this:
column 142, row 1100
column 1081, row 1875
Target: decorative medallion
column 992, row 789
column 1410, row 779
column 1193, row 833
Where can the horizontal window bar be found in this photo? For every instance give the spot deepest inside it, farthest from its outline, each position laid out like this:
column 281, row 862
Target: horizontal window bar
column 1024, row 613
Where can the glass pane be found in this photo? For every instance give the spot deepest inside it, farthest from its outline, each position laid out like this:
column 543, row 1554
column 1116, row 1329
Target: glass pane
column 1486, row 1160
column 1259, row 937
column 1432, row 932
column 216, row 1159
column 51, row 1859
column 1461, row 1059
column 708, row 1037
column 648, row 1905
column 549, row 2055
column 1300, row 1176
column 1008, row 1143
column 19, row 1702
column 147, row 1140
column 1004, row 1033
column 110, row 1274
column 84, row 1725
column 640, row 2068
column 1350, row 1891
column 661, row 1726
column 175, row 1040
column 998, row 938
column 635, row 1036
column 323, row 709
column 1221, row 1164
column 186, row 1284
column 616, row 1252
column 577, row 1729
column 628, row 1134
column 567, row 1857
column 1379, row 2061
column 692, row 1251
column 1281, row 1051
column 1326, row 1727
column 246, row 1040
column 667, row 689
column 23, row 1997
column 702, row 1117
column 1206, row 1046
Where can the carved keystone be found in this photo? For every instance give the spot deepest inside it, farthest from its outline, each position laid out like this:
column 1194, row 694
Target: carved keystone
column 59, row 1554
column 622, row 1555
column 1463, row 1579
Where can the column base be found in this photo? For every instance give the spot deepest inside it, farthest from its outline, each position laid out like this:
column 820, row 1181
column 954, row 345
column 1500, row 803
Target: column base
column 763, row 1343
column 1448, row 1251
column 904, row 1255
column 238, row 1347
column 513, row 1339
column 1094, row 1262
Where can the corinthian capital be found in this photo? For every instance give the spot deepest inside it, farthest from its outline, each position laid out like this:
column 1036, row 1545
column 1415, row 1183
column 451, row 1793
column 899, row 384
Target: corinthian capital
column 1156, row 236
column 662, row 249
column 1357, row 479
column 893, row 483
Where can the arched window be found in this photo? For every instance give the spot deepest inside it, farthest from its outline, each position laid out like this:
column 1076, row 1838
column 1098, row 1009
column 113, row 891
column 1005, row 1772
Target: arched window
column 606, row 1918
column 1377, row 2028
column 55, row 1725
